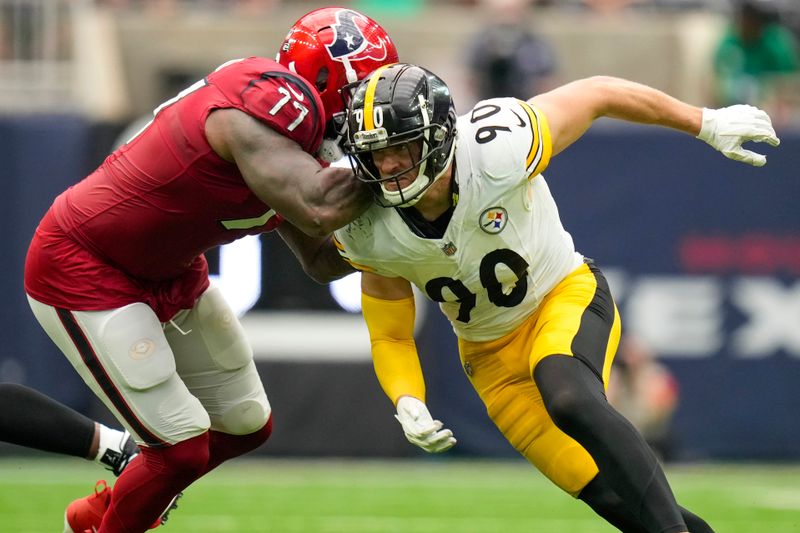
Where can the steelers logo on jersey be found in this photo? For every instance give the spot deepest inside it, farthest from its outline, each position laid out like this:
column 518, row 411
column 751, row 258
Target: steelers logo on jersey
column 493, row 220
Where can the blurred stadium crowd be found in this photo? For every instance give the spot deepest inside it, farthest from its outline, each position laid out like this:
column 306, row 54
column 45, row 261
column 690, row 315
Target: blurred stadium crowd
column 53, row 51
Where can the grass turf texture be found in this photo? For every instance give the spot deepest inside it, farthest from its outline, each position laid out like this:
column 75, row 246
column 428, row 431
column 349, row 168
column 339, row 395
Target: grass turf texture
column 424, row 496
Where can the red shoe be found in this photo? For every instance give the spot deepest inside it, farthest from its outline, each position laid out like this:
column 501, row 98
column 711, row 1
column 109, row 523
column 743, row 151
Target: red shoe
column 85, row 514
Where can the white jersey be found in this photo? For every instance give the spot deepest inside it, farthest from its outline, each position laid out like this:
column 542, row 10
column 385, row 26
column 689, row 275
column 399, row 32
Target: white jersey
column 504, row 248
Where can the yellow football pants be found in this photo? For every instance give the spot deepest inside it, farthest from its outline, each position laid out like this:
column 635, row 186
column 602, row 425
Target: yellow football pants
column 501, row 372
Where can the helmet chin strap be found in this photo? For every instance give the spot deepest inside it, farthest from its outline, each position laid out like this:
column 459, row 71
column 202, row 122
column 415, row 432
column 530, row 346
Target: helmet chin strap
column 418, row 187
column 414, row 191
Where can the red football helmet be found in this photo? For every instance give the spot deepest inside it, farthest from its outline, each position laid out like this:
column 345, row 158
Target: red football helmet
column 333, row 46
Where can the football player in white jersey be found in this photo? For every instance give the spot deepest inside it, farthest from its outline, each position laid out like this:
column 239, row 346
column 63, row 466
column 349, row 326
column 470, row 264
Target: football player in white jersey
column 464, row 214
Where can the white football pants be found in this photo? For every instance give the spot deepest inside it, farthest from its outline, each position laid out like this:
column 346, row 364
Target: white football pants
column 165, row 382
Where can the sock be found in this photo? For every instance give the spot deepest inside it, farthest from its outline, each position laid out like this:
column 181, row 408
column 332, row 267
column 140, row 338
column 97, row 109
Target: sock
column 115, row 450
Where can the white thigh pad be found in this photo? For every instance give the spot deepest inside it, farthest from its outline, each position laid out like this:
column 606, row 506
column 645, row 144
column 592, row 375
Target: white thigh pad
column 222, row 332
column 133, row 341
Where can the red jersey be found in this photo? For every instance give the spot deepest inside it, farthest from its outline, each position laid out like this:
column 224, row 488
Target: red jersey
column 137, row 227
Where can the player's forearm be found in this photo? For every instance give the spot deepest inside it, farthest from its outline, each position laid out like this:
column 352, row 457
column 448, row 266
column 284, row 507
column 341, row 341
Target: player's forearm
column 398, row 370
column 337, row 199
column 318, row 256
column 319, row 202
column 327, row 264
column 324, row 204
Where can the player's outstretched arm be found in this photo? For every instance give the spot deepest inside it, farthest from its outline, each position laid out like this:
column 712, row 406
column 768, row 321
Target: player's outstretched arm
column 388, row 307
column 316, row 200
column 572, row 108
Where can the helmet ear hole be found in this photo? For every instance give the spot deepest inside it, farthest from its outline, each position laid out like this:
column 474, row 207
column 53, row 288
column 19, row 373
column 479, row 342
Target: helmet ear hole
column 322, row 79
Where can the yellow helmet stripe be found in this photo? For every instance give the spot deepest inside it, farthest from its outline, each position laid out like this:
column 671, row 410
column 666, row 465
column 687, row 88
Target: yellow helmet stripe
column 369, row 97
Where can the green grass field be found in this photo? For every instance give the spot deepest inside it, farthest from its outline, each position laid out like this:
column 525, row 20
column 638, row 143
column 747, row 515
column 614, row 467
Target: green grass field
column 423, row 496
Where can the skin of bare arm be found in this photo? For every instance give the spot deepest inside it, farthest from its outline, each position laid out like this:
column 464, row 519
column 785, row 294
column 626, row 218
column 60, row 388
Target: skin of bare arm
column 315, row 200
column 317, row 255
column 385, row 288
column 572, row 108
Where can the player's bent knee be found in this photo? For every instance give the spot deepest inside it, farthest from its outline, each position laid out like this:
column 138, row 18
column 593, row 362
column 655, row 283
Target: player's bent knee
column 188, row 458
column 248, row 416
column 567, row 404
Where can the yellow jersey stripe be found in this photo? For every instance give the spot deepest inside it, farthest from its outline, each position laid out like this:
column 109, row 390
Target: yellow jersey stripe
column 342, row 254
column 535, row 145
column 369, row 98
column 358, row 266
column 541, row 145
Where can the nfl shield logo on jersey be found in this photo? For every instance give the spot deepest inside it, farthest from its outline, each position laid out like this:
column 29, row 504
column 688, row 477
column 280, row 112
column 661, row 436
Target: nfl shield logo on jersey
column 449, row 248
column 468, row 368
column 493, row 220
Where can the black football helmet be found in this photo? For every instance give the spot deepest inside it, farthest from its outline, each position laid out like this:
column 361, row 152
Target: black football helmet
column 396, row 105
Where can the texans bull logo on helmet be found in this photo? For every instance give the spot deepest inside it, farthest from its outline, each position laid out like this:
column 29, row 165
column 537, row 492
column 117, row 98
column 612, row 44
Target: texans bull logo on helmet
column 332, row 47
column 350, row 41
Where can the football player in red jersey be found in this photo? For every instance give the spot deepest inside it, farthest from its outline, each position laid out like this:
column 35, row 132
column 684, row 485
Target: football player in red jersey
column 116, row 275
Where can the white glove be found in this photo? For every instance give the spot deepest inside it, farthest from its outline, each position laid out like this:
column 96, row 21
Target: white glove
column 726, row 129
column 420, row 428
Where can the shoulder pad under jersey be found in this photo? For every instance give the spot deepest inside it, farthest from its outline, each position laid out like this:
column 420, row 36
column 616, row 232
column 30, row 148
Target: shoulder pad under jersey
column 271, row 93
column 508, row 138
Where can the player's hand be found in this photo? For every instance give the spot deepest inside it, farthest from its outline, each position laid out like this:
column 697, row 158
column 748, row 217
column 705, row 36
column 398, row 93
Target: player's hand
column 726, row 129
column 420, row 428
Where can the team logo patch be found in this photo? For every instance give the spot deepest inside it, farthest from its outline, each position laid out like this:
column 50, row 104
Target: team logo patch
column 350, row 42
column 493, row 220
column 142, row 349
